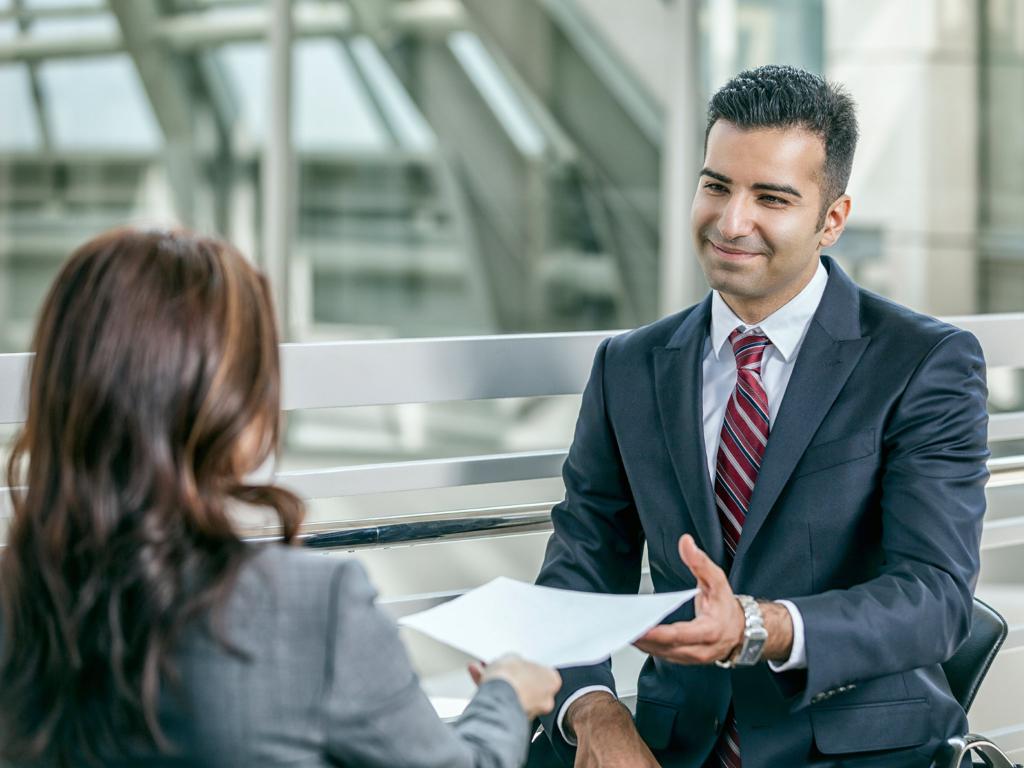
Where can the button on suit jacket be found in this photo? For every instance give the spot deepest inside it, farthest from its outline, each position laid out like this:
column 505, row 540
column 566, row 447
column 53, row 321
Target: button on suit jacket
column 867, row 514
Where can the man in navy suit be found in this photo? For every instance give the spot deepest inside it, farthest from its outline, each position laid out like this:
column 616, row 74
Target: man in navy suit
column 810, row 455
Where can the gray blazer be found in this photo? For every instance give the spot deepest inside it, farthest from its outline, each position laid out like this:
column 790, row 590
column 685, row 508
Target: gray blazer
column 323, row 679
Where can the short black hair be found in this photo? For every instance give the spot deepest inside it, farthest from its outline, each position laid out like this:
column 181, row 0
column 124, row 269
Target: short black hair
column 779, row 96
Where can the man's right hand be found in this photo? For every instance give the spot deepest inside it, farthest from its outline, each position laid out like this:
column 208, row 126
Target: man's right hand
column 606, row 735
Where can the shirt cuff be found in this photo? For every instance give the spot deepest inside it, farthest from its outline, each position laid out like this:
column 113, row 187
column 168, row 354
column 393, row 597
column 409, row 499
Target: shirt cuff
column 798, row 654
column 565, row 708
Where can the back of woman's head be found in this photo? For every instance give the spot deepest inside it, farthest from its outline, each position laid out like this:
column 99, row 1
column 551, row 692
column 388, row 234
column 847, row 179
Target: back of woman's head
column 153, row 392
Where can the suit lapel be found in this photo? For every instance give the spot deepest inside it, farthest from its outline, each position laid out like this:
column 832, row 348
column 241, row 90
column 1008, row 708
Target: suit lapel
column 678, row 381
column 830, row 352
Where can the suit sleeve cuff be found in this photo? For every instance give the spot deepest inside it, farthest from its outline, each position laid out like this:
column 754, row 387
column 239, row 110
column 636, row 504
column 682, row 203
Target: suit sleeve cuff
column 798, row 654
column 565, row 708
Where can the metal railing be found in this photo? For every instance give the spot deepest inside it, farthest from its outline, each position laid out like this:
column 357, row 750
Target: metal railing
column 346, row 374
column 360, row 373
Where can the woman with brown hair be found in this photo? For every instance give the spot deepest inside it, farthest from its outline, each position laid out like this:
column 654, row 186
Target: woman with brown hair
column 137, row 627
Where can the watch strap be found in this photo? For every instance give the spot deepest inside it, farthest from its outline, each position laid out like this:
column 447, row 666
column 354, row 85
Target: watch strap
column 755, row 635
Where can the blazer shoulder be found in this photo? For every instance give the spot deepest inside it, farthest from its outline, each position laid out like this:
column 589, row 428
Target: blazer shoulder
column 640, row 341
column 915, row 333
column 303, row 581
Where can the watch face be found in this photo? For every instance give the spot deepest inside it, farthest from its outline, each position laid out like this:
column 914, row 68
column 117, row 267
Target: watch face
column 753, row 643
column 750, row 656
column 757, row 633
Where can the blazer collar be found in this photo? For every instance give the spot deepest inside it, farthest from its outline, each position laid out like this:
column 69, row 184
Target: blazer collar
column 678, row 384
column 839, row 311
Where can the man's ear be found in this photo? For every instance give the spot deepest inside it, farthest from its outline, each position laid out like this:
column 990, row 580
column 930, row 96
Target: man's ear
column 835, row 221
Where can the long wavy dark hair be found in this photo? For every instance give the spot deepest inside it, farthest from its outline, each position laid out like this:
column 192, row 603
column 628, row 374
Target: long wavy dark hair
column 153, row 393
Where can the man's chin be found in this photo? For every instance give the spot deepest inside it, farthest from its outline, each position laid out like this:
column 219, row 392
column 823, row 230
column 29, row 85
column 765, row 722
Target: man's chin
column 731, row 278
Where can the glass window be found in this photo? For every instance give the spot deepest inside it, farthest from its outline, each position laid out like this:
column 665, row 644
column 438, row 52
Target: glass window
column 332, row 109
column 245, row 65
column 402, row 115
column 73, row 27
column 53, row 4
column 98, row 103
column 18, row 129
column 497, row 91
column 1002, row 156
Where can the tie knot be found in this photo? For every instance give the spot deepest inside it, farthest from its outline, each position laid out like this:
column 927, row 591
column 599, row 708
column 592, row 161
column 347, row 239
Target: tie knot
column 749, row 348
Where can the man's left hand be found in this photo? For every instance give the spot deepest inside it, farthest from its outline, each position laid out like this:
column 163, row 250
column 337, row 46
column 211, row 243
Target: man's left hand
column 716, row 631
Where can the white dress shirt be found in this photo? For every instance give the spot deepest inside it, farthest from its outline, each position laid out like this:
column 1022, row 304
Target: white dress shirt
column 786, row 329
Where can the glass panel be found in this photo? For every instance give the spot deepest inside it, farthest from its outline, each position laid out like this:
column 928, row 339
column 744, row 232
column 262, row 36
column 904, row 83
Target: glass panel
column 98, row 103
column 229, row 3
column 743, row 34
column 50, row 4
column 18, row 129
column 332, row 110
column 495, row 88
column 1002, row 156
column 782, row 32
column 1001, row 193
column 77, row 26
column 245, row 64
column 405, row 119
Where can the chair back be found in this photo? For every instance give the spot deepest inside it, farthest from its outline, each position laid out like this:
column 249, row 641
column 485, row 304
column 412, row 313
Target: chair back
column 967, row 667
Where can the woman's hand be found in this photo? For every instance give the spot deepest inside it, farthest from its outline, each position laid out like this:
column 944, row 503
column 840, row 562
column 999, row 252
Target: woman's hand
column 535, row 685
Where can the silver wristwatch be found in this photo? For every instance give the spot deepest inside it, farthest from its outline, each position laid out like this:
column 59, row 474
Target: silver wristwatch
column 754, row 636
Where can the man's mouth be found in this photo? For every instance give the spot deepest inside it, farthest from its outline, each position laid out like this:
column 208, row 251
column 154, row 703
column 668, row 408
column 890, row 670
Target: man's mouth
column 731, row 254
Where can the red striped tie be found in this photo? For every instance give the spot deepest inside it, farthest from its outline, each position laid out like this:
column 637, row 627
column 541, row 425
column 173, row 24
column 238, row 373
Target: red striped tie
column 740, row 449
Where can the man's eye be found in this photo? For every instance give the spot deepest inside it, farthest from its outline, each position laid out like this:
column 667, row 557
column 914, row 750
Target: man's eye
column 715, row 188
column 773, row 200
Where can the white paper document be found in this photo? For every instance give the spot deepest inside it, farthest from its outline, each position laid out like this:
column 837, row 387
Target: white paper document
column 556, row 627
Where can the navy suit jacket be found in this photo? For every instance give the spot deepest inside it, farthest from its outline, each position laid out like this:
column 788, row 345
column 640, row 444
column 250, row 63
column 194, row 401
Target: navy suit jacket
column 867, row 514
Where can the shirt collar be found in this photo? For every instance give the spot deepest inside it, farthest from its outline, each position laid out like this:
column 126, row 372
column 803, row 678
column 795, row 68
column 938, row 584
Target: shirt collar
column 785, row 327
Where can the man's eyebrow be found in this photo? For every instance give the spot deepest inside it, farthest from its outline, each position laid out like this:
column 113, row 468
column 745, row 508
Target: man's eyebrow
column 784, row 188
column 714, row 175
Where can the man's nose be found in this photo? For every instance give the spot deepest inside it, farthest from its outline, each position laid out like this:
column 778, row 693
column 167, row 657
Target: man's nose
column 737, row 219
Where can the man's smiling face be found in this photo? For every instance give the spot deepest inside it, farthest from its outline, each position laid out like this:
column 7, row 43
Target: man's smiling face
column 756, row 215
